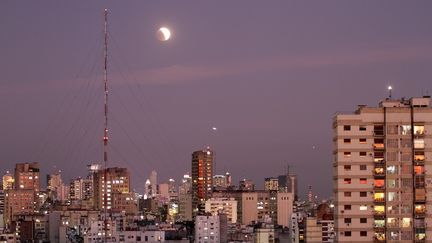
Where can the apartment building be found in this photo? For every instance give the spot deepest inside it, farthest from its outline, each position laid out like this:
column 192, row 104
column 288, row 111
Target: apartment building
column 382, row 172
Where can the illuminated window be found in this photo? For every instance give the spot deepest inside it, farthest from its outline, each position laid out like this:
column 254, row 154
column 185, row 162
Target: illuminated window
column 419, row 143
column 391, row 169
column 419, row 130
column 405, row 129
column 379, row 183
column 363, row 181
column 419, row 170
column 392, row 196
column 392, row 222
column 363, row 207
column 379, row 209
column 406, row 222
column 347, row 154
column 347, row 181
column 379, row 197
column 419, row 156
column 379, row 223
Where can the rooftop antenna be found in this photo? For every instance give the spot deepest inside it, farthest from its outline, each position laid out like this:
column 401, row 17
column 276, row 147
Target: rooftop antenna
column 389, row 88
column 105, row 137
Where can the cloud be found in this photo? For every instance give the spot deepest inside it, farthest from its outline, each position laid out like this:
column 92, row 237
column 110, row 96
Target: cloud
column 184, row 73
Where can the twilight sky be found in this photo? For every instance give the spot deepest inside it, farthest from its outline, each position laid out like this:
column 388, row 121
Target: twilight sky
column 268, row 75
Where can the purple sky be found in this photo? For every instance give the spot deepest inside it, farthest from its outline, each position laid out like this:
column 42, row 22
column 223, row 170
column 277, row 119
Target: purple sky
column 269, row 76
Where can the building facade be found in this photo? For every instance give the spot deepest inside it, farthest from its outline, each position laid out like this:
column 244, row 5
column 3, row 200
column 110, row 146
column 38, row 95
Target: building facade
column 382, row 172
column 202, row 178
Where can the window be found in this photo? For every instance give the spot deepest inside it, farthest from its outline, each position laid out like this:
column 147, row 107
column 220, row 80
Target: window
column 348, row 233
column 363, row 167
column 362, row 154
column 363, row 194
column 405, row 129
column 347, row 167
column 363, row 207
column 347, row 181
column 362, row 128
column 362, row 140
column 347, row 194
column 347, row 220
column 347, row 140
column 419, row 130
column 363, row 181
column 347, row 128
column 347, row 207
column 363, row 220
column 419, row 143
column 363, row 233
column 391, row 169
column 347, row 154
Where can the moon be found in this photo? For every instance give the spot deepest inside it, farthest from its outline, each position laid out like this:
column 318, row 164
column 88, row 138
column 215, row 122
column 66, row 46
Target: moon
column 163, row 34
column 214, row 128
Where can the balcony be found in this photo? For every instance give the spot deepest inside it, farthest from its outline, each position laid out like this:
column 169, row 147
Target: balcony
column 378, row 146
column 379, row 171
column 420, row 195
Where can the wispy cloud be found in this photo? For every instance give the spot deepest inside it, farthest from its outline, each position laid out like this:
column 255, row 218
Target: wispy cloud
column 184, row 73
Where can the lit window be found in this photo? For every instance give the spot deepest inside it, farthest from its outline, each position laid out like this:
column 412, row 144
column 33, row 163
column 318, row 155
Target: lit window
column 363, row 207
column 347, row 181
column 379, row 196
column 419, row 130
column 363, row 181
column 419, row 143
column 347, row 154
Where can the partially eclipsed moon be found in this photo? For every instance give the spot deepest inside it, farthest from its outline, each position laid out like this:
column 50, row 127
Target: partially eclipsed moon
column 163, row 34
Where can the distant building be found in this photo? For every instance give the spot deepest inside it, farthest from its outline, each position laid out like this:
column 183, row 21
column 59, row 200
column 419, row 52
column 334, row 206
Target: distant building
column 119, row 195
column 382, row 170
column 226, row 206
column 271, row 184
column 246, row 185
column 8, row 181
column 202, row 178
column 211, row 229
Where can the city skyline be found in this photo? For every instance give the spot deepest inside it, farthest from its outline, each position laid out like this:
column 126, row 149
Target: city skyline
column 269, row 78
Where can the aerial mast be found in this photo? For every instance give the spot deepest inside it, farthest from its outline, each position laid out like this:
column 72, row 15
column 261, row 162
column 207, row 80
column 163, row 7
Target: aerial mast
column 105, row 137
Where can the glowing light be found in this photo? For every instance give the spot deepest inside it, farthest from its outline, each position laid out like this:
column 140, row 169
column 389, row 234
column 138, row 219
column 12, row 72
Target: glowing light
column 163, row 34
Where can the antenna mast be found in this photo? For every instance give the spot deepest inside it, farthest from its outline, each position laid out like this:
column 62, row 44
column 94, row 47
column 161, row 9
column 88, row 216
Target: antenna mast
column 105, row 138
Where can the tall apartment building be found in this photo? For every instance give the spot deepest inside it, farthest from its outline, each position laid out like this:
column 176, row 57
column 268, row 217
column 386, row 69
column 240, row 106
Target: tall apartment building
column 202, row 178
column 383, row 172
column 27, row 176
column 8, row 181
column 117, row 189
column 227, row 206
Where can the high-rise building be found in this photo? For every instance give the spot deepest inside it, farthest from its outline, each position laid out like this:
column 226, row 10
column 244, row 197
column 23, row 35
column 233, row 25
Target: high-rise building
column 271, row 184
column 382, row 170
column 54, row 186
column 8, row 181
column 153, row 183
column 117, row 189
column 27, row 176
column 202, row 178
column 246, row 185
column 211, row 229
